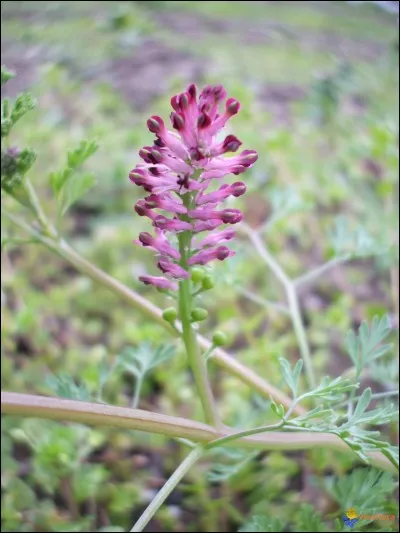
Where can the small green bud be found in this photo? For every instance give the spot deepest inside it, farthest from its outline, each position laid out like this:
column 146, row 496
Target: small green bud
column 197, row 275
column 219, row 338
column 199, row 314
column 207, row 283
column 170, row 314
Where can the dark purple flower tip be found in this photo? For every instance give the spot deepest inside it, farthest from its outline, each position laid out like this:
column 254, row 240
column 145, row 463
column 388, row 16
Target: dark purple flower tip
column 155, row 124
column 175, row 102
column 231, row 216
column 154, row 171
column 222, row 252
column 231, row 144
column 232, row 106
column 140, row 208
column 178, row 122
column 145, row 238
column 136, row 175
column 195, row 154
column 175, row 271
column 159, row 282
column 203, row 121
column 150, row 154
column 192, row 92
column 249, row 157
column 219, row 92
column 183, row 101
column 164, row 265
column 159, row 143
column 238, row 169
column 145, row 153
column 151, row 201
column 238, row 188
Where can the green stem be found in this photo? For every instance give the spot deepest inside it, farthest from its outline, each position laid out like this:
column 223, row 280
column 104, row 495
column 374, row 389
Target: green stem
column 36, row 206
column 169, row 486
column 301, row 335
column 254, row 431
column 195, row 358
column 246, row 433
column 136, row 396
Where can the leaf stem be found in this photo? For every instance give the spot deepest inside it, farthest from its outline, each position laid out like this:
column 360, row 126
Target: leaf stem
column 138, row 390
column 291, row 294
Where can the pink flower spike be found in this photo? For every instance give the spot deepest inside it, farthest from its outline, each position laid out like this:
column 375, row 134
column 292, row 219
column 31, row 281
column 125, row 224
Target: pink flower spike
column 228, row 216
column 206, row 225
column 173, row 270
column 168, row 224
column 205, row 256
column 216, row 238
column 177, row 172
column 170, row 140
column 231, row 216
column 159, row 244
column 165, row 202
column 236, row 189
column 160, row 282
column 209, row 99
column 144, row 211
column 229, row 144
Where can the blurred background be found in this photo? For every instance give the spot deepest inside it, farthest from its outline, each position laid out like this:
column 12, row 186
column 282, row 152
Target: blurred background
column 318, row 85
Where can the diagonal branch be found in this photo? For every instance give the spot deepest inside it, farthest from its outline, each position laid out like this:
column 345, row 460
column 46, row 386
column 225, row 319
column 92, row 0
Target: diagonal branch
column 27, row 405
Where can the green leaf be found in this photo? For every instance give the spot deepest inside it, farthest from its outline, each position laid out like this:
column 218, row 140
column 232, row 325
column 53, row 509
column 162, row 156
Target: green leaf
column 362, row 404
column 331, row 389
column 365, row 489
column 65, row 387
column 263, row 524
column 348, row 241
column 238, row 459
column 278, row 409
column 367, row 345
column 77, row 157
column 291, row 376
column 141, row 360
column 22, row 105
column 57, row 179
column 308, row 519
column 6, row 75
column 74, row 189
column 68, row 185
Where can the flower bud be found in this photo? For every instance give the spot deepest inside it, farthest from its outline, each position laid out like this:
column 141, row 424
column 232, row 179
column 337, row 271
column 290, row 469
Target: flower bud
column 170, row 314
column 198, row 314
column 197, row 275
column 207, row 283
column 219, row 338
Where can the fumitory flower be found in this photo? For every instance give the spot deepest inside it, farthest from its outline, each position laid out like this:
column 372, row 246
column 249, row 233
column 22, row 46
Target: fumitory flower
column 178, row 174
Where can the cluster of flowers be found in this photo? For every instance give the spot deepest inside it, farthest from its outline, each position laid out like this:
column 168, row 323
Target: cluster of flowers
column 178, row 172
